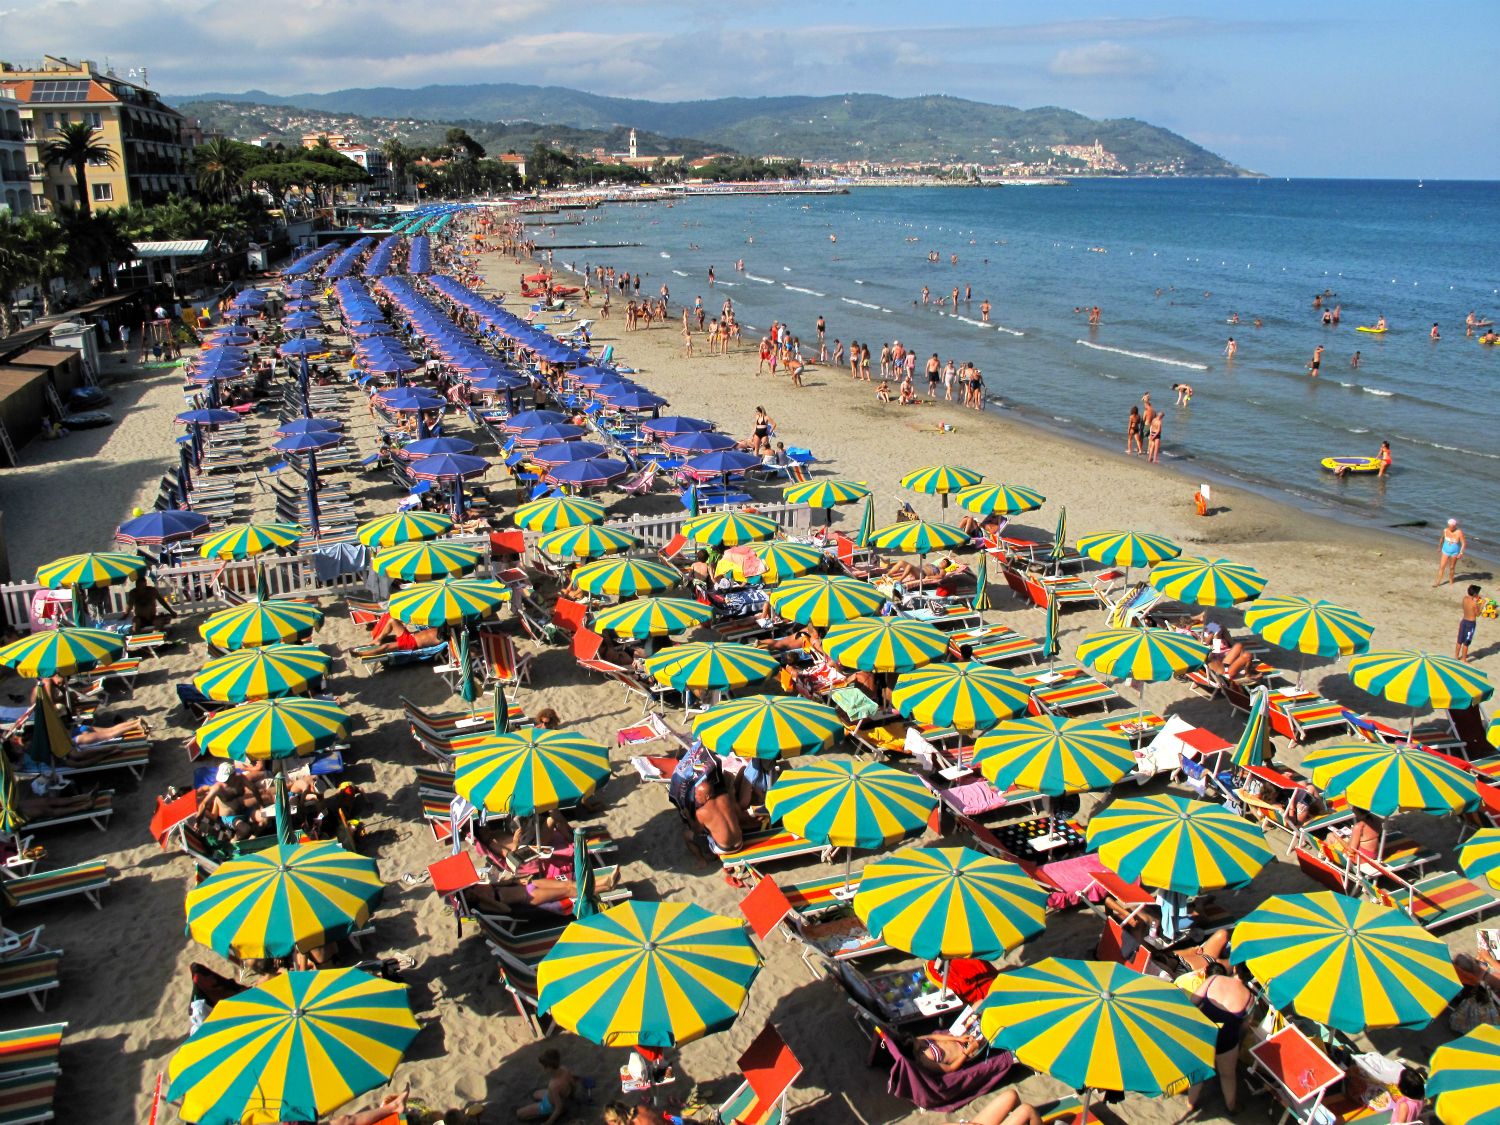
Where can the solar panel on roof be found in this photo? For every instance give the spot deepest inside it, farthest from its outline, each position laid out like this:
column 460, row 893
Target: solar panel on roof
column 59, row 90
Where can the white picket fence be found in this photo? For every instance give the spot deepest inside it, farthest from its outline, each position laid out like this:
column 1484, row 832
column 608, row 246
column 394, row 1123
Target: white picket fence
column 200, row 585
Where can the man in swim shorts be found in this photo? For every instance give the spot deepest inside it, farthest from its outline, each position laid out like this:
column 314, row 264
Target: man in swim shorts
column 1468, row 621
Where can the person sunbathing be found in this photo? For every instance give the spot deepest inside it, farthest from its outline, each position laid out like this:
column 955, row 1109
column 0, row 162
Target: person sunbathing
column 942, row 1053
column 392, row 635
column 391, row 1106
column 539, row 893
column 980, row 529
column 1364, row 835
column 807, row 641
column 1007, row 1109
column 231, row 800
column 38, row 804
column 701, row 570
column 719, row 817
column 1227, row 656
column 903, row 571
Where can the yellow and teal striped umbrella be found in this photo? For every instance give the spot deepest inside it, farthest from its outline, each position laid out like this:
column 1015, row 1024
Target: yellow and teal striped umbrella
column 652, row 617
column 940, row 480
column 1127, row 548
column 403, row 527
column 249, row 539
column 1100, row 1026
column 586, row 541
column 530, row 771
column 96, row 568
column 1303, row 625
column 273, row 728
column 420, row 562
column 558, row 512
column 765, row 726
column 949, row 902
column 446, row 601
column 919, row 537
column 61, row 652
column 625, row 578
column 1387, row 779
column 1207, row 581
column 1000, row 499
column 969, row 696
column 728, row 529
column 1465, row 1078
column 1054, row 755
column 262, row 673
column 824, row 600
column 885, row 644
column 1492, row 732
column 711, row 665
column 1177, row 845
column 1254, row 746
column 785, row 560
column 258, row 623
column 295, row 1048
column 11, row 819
column 825, row 493
column 1345, row 963
column 650, row 974
column 841, row 803
column 1481, row 855
column 1419, row 680
column 1148, row 655
column 272, row 902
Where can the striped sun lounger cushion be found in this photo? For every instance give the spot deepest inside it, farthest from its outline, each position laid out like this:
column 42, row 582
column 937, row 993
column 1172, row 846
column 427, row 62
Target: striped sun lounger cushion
column 27, row 1098
column 30, row 1050
column 29, row 975
column 768, row 846
column 85, row 878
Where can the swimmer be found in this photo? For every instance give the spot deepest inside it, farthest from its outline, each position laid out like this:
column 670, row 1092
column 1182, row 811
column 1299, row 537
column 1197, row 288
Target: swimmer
column 1184, row 394
column 1433, row 335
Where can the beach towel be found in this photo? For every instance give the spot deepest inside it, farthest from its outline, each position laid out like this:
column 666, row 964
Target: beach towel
column 941, row 1093
column 974, row 798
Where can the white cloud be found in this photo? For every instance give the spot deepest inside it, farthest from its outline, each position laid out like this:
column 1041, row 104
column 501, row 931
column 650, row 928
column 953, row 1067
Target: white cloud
column 1104, row 59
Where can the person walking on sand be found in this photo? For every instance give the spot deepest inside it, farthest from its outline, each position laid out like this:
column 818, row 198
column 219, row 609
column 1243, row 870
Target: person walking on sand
column 1451, row 548
column 1467, row 622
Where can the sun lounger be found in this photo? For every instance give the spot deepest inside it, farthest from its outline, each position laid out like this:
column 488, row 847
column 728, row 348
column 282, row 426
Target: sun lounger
column 31, row 1050
column 100, row 809
column 993, row 644
column 770, row 1071
column 817, row 913
column 32, row 974
column 940, row 1093
column 371, row 660
column 1434, row 901
column 86, row 879
column 770, row 845
column 133, row 754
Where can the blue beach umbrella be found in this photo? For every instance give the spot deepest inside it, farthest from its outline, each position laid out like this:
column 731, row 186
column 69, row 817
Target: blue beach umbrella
column 302, row 345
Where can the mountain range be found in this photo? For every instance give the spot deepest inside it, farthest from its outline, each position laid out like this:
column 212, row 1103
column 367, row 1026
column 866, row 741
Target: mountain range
column 930, row 129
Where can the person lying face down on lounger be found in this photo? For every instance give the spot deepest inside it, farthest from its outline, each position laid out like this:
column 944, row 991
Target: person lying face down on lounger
column 903, row 571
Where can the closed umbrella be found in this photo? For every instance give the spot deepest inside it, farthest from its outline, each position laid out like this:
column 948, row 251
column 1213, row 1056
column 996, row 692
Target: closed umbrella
column 1254, row 745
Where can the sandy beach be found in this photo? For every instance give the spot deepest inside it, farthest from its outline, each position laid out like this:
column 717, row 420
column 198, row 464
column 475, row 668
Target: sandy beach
column 125, row 990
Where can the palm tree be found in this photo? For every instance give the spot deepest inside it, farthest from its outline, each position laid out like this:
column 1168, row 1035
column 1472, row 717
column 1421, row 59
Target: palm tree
column 75, row 145
column 399, row 158
column 220, row 165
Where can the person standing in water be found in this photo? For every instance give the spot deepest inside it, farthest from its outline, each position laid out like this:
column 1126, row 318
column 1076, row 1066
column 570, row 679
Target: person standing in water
column 1229, row 350
column 1316, row 362
column 984, row 311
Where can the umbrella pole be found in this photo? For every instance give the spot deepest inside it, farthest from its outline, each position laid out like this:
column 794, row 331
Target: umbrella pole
column 848, row 863
column 947, row 968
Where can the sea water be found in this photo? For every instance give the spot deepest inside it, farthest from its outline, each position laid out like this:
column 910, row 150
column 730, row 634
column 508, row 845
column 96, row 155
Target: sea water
column 1168, row 262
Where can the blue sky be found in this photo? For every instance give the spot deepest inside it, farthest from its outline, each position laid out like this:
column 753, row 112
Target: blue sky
column 1378, row 89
